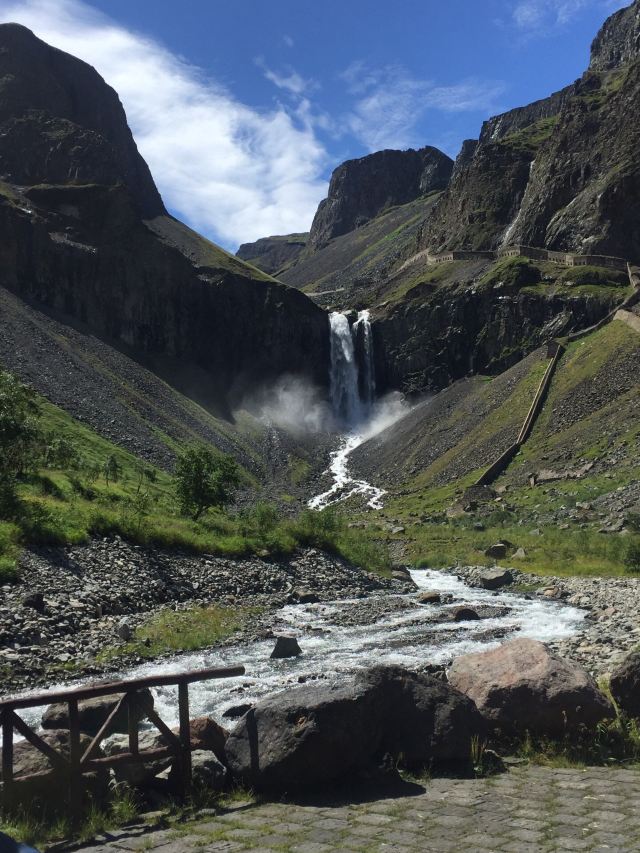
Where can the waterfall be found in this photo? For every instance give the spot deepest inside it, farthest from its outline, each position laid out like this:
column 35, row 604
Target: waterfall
column 368, row 384
column 352, row 391
column 343, row 384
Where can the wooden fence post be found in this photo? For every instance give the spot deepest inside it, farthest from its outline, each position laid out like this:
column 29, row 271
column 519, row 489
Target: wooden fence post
column 132, row 719
column 75, row 770
column 185, row 737
column 7, row 758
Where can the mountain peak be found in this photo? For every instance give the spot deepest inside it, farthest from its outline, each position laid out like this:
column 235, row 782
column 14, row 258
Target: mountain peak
column 360, row 189
column 61, row 123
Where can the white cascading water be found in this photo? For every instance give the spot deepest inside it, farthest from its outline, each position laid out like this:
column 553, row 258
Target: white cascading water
column 368, row 369
column 343, row 380
column 350, row 408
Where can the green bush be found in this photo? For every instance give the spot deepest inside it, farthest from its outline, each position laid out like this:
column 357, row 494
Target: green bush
column 632, row 556
column 204, row 479
column 20, row 439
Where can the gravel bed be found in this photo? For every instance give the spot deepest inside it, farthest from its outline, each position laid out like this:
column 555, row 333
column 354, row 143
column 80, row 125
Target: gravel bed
column 612, row 626
column 73, row 602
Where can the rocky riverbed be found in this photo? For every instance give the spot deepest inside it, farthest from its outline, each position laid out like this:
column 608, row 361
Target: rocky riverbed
column 611, row 628
column 74, row 602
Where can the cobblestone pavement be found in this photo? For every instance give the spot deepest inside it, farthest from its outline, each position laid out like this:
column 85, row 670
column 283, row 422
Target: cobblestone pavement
column 525, row 809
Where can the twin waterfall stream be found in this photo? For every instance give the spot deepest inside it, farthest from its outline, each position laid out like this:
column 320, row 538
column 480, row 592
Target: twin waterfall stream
column 353, row 394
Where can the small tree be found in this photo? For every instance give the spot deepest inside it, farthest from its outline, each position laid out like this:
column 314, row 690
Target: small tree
column 204, row 479
column 20, row 437
column 112, row 470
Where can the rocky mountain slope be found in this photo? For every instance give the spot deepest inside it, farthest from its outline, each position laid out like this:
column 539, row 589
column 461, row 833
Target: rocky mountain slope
column 86, row 235
column 361, row 189
column 561, row 172
column 273, row 254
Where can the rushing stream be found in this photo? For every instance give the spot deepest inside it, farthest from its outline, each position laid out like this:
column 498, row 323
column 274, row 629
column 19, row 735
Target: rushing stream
column 340, row 637
column 344, row 485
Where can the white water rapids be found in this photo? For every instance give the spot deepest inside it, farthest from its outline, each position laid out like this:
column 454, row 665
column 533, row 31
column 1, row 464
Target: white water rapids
column 344, row 485
column 398, row 631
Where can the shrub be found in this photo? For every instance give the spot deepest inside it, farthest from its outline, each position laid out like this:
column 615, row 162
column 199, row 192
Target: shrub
column 20, row 438
column 204, row 479
column 632, row 556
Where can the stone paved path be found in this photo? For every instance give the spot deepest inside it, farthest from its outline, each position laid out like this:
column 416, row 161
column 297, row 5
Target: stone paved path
column 527, row 809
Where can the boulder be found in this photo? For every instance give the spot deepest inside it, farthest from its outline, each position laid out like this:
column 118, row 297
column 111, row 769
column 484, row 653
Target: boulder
column 207, row 735
column 521, row 686
column 286, row 647
column 236, row 711
column 305, row 596
column 93, row 712
column 51, row 789
column 494, row 578
column 207, row 773
column 138, row 773
column 498, row 550
column 464, row 614
column 429, row 597
column 625, row 685
column 124, row 630
column 34, row 601
column 315, row 734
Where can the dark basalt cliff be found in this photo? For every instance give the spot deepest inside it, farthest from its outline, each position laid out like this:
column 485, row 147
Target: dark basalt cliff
column 362, row 189
column 85, row 235
column 618, row 42
column 561, row 172
column 273, row 254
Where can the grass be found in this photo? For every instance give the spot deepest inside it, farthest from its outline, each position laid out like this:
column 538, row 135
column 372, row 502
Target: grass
column 530, row 138
column 70, row 505
column 553, row 552
column 183, row 631
column 122, row 808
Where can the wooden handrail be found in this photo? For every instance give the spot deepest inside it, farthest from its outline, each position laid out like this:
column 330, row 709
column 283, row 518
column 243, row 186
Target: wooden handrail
column 78, row 763
column 108, row 688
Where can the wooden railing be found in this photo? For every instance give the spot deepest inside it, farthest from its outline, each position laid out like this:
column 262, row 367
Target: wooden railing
column 79, row 762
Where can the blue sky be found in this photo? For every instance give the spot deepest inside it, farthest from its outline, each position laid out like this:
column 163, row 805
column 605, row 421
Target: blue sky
column 242, row 108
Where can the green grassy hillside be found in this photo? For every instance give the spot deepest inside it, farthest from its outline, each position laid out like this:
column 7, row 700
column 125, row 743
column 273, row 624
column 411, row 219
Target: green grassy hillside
column 567, row 496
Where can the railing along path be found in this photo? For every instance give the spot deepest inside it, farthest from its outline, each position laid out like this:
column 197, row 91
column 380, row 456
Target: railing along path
column 78, row 762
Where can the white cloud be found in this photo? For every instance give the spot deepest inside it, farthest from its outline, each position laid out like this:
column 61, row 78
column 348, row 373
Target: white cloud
column 289, row 79
column 390, row 103
column 541, row 17
column 231, row 171
column 288, row 40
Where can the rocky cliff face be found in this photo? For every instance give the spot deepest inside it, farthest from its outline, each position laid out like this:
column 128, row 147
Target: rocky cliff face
column 273, row 254
column 362, row 189
column 560, row 172
column 618, row 42
column 85, row 234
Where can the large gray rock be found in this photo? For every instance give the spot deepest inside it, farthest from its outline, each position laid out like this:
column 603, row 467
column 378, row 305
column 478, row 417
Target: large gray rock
column 138, row 773
column 312, row 735
column 625, row 685
column 207, row 773
column 494, row 578
column 93, row 712
column 521, row 686
column 286, row 647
